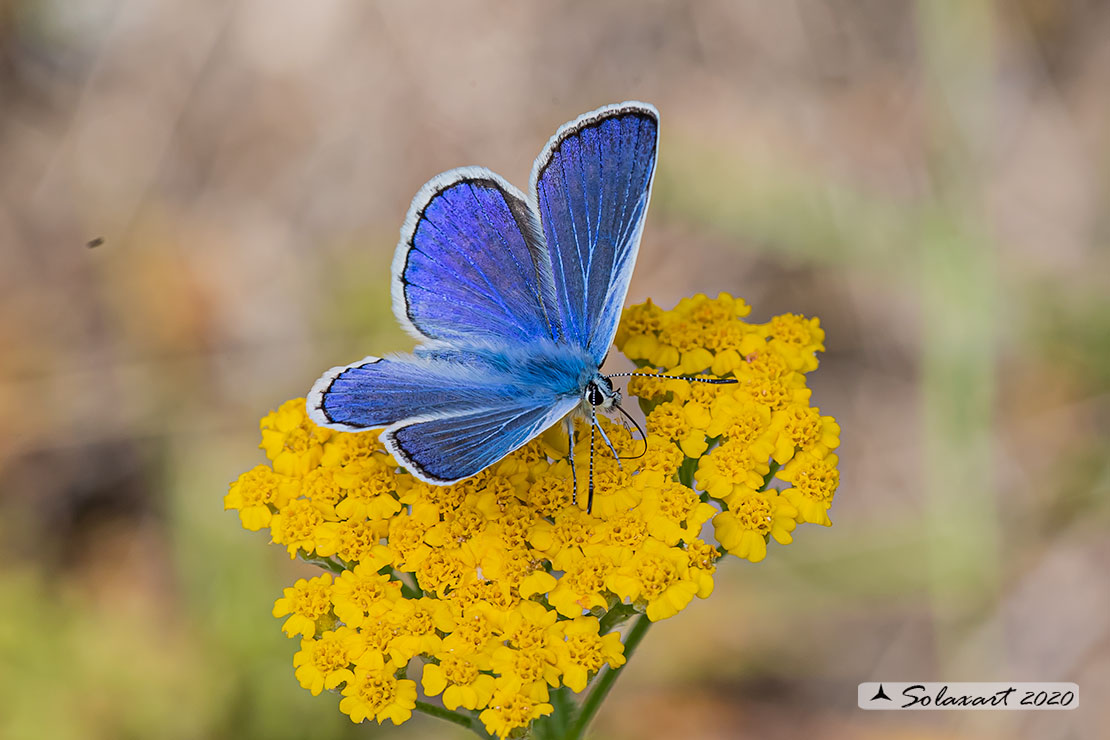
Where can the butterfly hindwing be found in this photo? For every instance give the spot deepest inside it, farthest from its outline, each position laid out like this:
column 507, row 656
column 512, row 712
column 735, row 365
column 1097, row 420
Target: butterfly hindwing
column 590, row 187
column 471, row 264
column 445, row 449
column 376, row 392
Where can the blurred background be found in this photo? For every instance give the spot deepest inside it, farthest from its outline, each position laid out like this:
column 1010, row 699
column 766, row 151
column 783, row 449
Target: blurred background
column 932, row 180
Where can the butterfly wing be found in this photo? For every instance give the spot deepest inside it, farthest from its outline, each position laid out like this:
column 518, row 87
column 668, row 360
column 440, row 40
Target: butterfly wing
column 590, row 187
column 376, row 392
column 444, row 449
column 471, row 265
column 445, row 419
column 479, row 266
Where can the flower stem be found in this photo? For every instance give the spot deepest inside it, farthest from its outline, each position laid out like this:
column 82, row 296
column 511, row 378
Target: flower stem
column 686, row 472
column 554, row 726
column 410, row 589
column 774, row 468
column 615, row 617
column 605, row 680
column 328, row 564
column 457, row 718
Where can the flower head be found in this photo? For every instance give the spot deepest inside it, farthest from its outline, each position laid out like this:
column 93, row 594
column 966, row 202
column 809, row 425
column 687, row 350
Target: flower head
column 324, row 663
column 375, row 692
column 307, row 603
column 256, row 495
column 510, row 710
column 501, row 583
column 459, row 677
column 582, row 651
column 292, row 442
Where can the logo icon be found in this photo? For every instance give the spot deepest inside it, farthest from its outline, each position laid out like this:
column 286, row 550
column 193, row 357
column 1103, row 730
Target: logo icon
column 880, row 694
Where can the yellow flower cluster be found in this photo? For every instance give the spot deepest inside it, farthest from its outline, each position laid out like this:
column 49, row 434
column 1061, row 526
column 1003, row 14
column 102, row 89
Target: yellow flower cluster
column 504, row 587
column 739, row 437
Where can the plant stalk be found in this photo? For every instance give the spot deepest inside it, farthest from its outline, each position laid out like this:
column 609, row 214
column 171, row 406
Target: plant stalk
column 457, row 718
column 603, row 684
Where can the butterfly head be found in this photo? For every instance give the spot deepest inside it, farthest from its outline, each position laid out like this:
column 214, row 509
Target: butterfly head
column 600, row 395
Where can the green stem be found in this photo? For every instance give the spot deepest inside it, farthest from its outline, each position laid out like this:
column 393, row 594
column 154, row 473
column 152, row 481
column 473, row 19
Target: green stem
column 614, row 617
column 326, row 563
column 686, row 472
column 771, row 474
column 554, row 726
column 605, row 680
column 457, row 718
column 408, row 590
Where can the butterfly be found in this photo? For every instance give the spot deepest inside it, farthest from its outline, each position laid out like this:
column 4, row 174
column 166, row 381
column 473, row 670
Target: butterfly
column 514, row 299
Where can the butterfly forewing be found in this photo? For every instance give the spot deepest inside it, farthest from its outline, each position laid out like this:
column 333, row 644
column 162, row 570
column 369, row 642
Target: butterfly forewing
column 591, row 187
column 471, row 265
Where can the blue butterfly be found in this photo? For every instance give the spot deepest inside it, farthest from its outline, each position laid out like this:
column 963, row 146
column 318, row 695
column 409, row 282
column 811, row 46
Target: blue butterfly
column 515, row 301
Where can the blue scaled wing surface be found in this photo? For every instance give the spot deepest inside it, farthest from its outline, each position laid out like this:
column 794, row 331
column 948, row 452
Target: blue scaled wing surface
column 515, row 300
column 471, row 265
column 376, row 392
column 444, row 419
column 447, row 449
column 590, row 188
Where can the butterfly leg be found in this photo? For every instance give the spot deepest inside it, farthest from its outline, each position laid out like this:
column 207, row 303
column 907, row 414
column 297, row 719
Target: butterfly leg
column 590, row 495
column 570, row 459
column 612, row 449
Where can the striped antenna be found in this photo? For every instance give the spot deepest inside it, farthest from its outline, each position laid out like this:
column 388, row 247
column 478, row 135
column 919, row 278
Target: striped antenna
column 690, row 378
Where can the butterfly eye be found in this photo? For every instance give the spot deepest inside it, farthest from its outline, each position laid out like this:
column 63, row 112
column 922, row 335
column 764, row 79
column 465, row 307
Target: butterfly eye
column 594, row 394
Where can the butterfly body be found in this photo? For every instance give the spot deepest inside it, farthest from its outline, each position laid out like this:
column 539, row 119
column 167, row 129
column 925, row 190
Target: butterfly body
column 541, row 367
column 514, row 299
